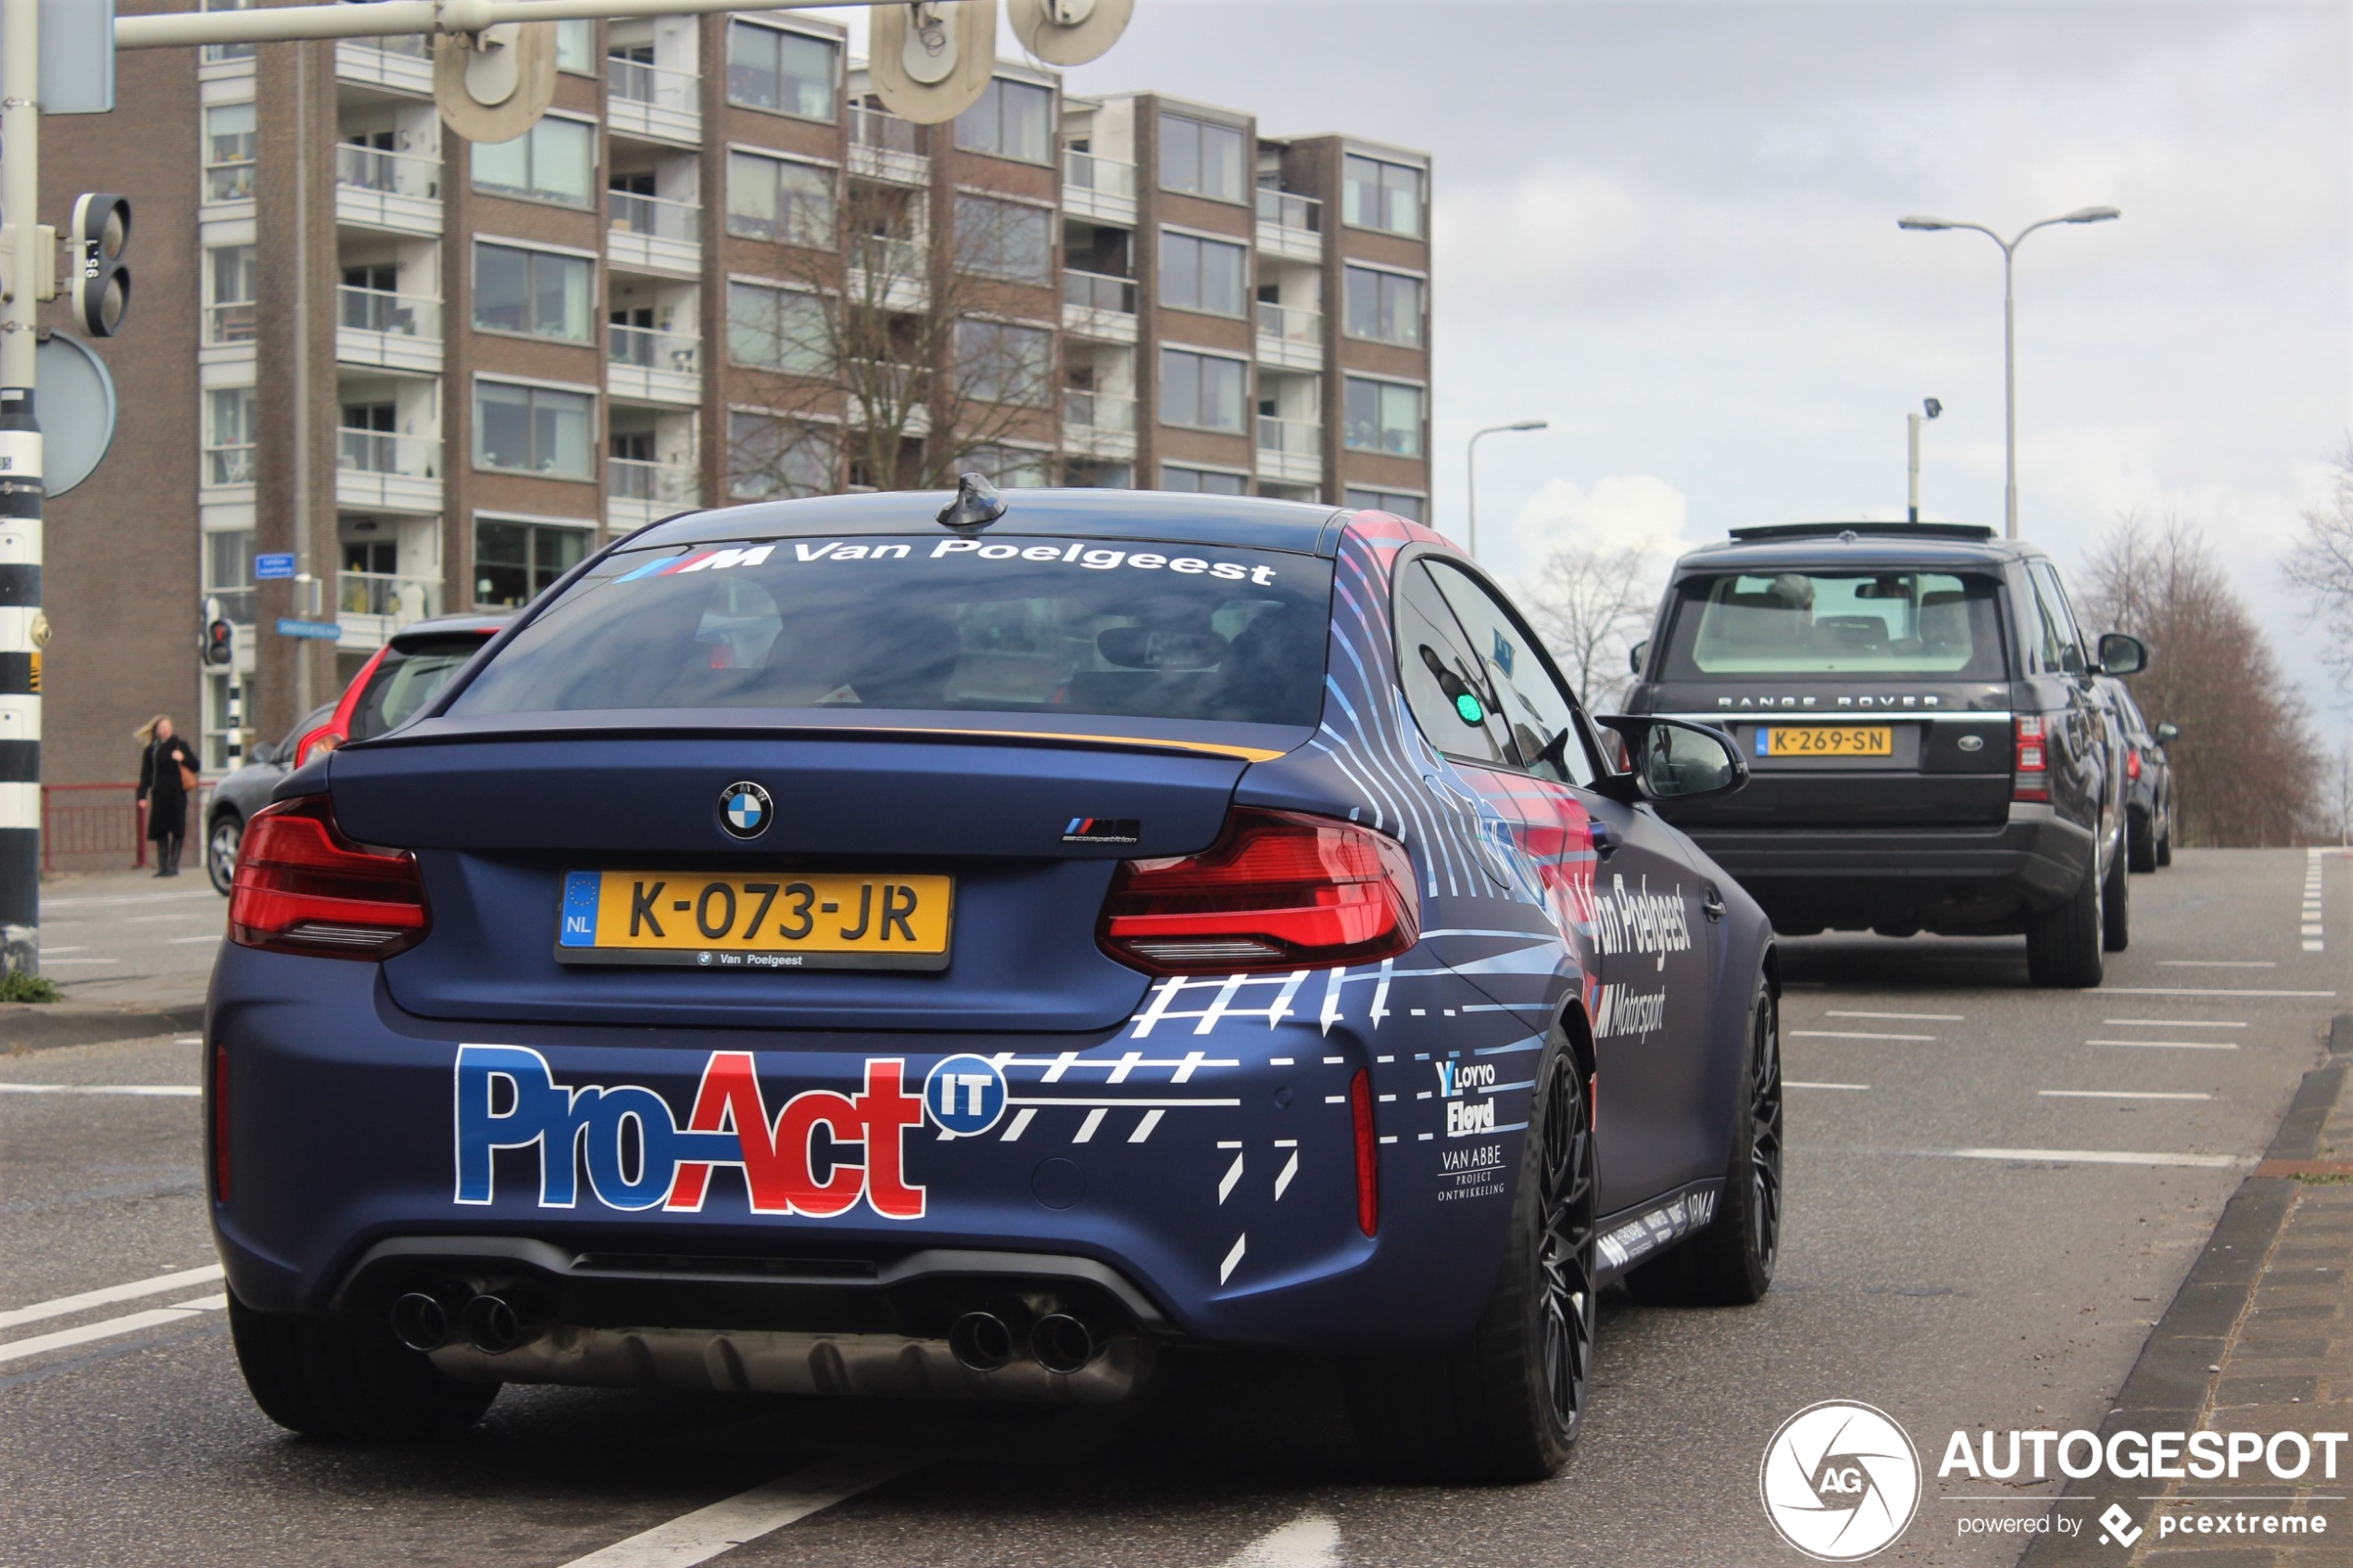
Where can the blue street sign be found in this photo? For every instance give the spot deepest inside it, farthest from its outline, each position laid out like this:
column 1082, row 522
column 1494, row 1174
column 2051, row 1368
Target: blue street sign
column 325, row 631
column 269, row 567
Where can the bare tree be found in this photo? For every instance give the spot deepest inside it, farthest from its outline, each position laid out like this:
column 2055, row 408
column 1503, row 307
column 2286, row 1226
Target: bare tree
column 1590, row 604
column 895, row 362
column 2321, row 564
column 2245, row 769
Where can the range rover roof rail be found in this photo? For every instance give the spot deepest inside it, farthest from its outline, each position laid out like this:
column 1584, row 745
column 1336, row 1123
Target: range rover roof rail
column 1883, row 530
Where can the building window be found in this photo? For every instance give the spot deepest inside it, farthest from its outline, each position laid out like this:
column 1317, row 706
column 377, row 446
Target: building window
column 769, row 198
column 786, row 73
column 1010, row 467
column 533, row 292
column 228, row 574
column 231, row 147
column 1374, row 195
column 229, row 435
column 999, row 362
column 1383, row 417
column 554, row 161
column 1197, row 274
column 534, row 429
column 1384, row 307
column 576, row 47
column 1012, row 120
column 1202, row 158
column 228, row 51
column 1088, row 474
column 1397, row 503
column 1004, row 239
column 771, row 458
column 515, row 561
column 1203, row 481
column 228, row 312
column 779, row 330
column 1204, row 391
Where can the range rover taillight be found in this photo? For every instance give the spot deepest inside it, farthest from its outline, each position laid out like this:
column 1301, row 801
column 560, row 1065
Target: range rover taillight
column 303, row 887
column 1277, row 890
column 2033, row 781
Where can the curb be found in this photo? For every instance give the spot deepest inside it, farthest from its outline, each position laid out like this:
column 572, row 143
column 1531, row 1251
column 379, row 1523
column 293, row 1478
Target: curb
column 2167, row 1386
column 44, row 1025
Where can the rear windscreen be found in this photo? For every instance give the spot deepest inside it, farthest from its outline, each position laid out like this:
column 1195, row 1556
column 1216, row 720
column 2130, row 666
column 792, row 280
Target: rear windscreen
column 998, row 626
column 406, row 680
column 1837, row 623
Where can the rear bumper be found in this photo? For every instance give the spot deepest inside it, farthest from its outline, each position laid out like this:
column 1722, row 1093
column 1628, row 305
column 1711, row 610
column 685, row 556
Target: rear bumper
column 1963, row 881
column 1189, row 1178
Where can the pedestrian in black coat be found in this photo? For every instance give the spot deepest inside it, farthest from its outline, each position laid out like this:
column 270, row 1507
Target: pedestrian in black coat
column 167, row 777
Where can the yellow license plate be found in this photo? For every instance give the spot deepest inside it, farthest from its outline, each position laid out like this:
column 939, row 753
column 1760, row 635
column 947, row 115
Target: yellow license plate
column 761, row 919
column 1825, row 740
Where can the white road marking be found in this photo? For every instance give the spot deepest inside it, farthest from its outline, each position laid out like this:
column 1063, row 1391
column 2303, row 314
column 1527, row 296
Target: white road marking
column 94, row 901
column 2172, row 1045
column 1312, row 1540
column 2187, row 991
column 2218, row 963
column 154, row 919
column 176, row 1090
column 704, row 1534
column 52, row 952
column 1915, row 1017
column 1793, row 1083
column 109, row 1295
column 1851, row 1035
column 51, row 957
column 187, row 1039
column 17, row 1349
column 188, row 941
column 2114, row 1094
column 2175, row 1022
column 2095, row 1157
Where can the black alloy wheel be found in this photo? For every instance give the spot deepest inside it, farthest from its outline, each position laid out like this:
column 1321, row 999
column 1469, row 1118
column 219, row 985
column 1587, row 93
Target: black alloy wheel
column 1566, row 1256
column 1765, row 1133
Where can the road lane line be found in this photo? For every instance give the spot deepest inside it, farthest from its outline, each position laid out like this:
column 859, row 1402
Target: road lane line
column 2171, row 1045
column 1312, row 1540
column 2116, row 1094
column 2174, row 1023
column 189, row 941
column 176, row 1090
column 17, row 1349
column 2218, row 963
column 87, row 1300
column 91, row 902
column 1793, row 1083
column 2188, row 991
column 2095, row 1157
column 704, row 1534
column 1850, row 1034
column 1915, row 1017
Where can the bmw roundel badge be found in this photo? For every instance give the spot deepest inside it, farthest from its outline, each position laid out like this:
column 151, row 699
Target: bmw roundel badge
column 744, row 810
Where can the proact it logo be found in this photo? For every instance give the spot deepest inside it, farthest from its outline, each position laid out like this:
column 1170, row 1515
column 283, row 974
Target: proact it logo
column 1841, row 1481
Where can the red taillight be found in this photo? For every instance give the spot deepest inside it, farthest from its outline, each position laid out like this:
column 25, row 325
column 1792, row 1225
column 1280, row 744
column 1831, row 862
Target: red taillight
column 2133, row 763
column 219, row 1124
column 2032, row 762
column 1360, row 1111
column 1277, row 890
column 303, row 887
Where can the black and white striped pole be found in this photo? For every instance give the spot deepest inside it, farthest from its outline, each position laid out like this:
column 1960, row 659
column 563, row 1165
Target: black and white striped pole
column 21, row 490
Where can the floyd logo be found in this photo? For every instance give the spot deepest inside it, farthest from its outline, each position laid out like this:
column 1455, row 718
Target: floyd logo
column 1841, row 1481
column 965, row 1094
column 745, row 809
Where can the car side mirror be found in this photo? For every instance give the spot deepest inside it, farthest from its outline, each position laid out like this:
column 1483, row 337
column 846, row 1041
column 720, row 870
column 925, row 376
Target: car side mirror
column 1635, row 654
column 2123, row 655
column 2168, row 732
column 1673, row 760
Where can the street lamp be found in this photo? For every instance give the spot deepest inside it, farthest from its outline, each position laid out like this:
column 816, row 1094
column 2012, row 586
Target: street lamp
column 1929, row 408
column 2009, row 328
column 1470, row 459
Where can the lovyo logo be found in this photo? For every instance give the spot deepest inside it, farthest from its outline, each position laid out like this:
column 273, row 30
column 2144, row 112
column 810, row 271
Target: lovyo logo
column 1841, row 1481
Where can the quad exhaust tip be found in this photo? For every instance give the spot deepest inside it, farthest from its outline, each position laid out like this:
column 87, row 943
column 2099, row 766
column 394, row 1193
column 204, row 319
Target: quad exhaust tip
column 980, row 1341
column 420, row 1322
column 1062, row 1343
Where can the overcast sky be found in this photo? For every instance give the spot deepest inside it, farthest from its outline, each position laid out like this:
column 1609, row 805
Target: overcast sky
column 1669, row 229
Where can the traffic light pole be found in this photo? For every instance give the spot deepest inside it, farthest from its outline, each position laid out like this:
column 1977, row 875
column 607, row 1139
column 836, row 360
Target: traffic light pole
column 21, row 490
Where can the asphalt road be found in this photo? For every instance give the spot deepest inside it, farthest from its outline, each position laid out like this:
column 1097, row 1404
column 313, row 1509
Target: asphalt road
column 132, row 938
column 1992, row 1194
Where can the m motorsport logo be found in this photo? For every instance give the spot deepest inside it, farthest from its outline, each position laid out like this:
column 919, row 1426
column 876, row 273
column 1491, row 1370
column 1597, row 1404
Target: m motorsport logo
column 820, row 1154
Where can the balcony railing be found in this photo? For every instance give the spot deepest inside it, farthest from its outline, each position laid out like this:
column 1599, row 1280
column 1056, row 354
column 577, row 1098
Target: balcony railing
column 1104, row 176
column 1290, row 322
column 896, row 261
column 379, row 310
column 230, row 463
column 884, row 132
column 231, row 323
column 650, row 349
column 639, row 478
column 381, row 593
column 1098, row 411
column 378, row 451
column 1286, row 211
column 1100, row 291
column 1295, row 438
column 638, row 83
column 654, row 216
column 388, row 173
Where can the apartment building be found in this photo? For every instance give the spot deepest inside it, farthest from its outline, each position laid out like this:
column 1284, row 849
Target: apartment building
column 438, row 374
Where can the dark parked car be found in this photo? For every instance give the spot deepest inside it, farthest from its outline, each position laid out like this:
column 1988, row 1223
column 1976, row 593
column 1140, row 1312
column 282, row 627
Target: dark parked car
column 2148, row 780
column 1931, row 750
column 393, row 685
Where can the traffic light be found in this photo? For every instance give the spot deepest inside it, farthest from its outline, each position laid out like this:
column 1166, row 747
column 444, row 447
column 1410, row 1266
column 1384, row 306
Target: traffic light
column 219, row 643
column 101, row 280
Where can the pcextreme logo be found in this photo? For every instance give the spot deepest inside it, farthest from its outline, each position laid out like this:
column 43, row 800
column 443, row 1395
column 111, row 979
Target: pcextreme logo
column 1840, row 1481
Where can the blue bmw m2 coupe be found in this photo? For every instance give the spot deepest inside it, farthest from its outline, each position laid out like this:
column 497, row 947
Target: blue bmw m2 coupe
column 928, row 947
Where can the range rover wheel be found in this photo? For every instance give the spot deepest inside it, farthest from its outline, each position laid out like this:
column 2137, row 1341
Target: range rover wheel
column 2143, row 846
column 343, row 1376
column 220, row 846
column 2165, row 845
column 1730, row 1262
column 1506, row 1404
column 2063, row 944
column 2116, row 909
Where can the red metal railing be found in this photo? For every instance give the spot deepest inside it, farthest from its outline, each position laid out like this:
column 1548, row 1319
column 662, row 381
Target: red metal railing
column 85, row 826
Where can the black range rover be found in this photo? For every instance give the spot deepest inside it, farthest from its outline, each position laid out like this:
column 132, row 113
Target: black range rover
column 1927, row 749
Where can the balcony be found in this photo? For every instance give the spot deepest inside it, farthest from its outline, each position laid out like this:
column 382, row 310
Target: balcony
column 229, row 182
column 1098, row 424
column 644, row 365
column 1290, row 338
column 653, row 101
column 375, row 189
column 638, row 492
column 891, row 273
column 402, row 63
column 230, row 331
column 393, row 331
column 229, row 464
column 1098, row 306
column 1289, row 228
column 371, row 606
column 886, row 148
column 653, row 233
column 376, row 471
column 1100, row 189
column 1291, row 450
